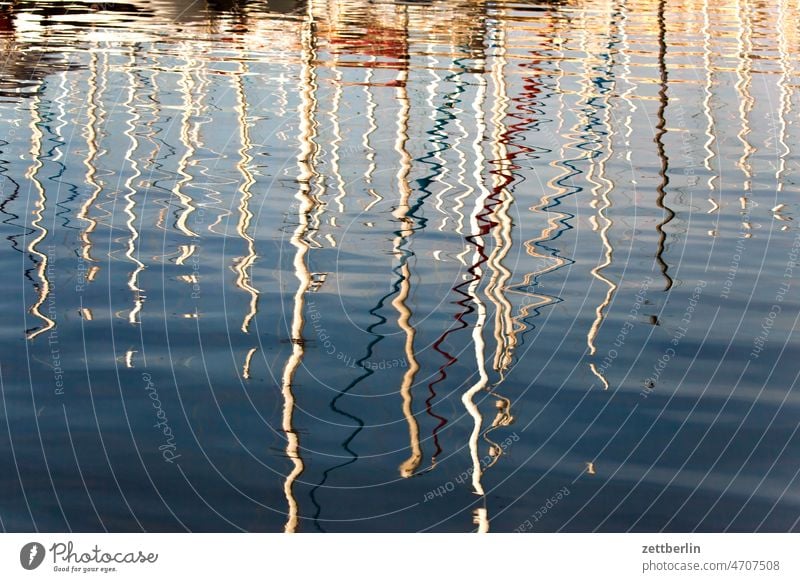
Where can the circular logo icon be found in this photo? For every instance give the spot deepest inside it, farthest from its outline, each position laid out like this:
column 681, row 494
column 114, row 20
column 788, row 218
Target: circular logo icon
column 31, row 555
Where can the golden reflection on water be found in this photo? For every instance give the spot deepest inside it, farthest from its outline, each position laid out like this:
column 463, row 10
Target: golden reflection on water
column 786, row 90
column 244, row 265
column 304, row 206
column 131, row 252
column 479, row 256
column 401, row 252
column 188, row 88
column 248, row 360
column 483, row 378
column 334, row 115
column 371, row 128
column 555, row 190
column 92, row 153
column 743, row 84
column 602, row 187
column 40, row 202
column 710, row 129
column 497, row 288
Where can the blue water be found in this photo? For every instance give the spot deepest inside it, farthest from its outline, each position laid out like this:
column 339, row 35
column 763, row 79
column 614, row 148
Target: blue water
column 387, row 266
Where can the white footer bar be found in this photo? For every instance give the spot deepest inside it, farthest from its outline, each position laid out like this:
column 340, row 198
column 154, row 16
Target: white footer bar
column 375, row 557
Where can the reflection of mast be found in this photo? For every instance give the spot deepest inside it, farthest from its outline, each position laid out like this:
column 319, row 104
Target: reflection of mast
column 358, row 423
column 439, row 138
column 39, row 206
column 187, row 89
column 439, row 155
column 304, row 206
column 244, row 265
column 785, row 84
column 502, row 178
column 661, row 189
column 481, row 517
column 130, row 203
column 707, row 111
column 248, row 360
column 602, row 223
column 336, row 142
column 459, row 200
column 626, row 75
column 410, row 465
column 91, row 163
column 216, row 185
column 11, row 195
column 557, row 188
column 479, row 257
column 744, row 80
column 372, row 126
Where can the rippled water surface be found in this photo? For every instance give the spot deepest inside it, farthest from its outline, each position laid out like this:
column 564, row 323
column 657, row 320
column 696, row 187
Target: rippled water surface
column 398, row 266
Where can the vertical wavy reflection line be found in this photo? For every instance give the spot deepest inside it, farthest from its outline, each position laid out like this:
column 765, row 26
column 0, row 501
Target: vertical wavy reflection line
column 203, row 89
column 334, row 405
column 189, row 145
column 59, row 153
column 90, row 161
column 625, row 75
column 481, row 513
column 459, row 200
column 744, row 80
column 248, row 362
column 217, row 184
column 786, row 86
column 187, row 89
column 211, row 190
column 480, row 516
column 556, row 189
column 661, row 130
column 595, row 176
column 243, row 265
column 410, row 465
column 40, row 204
column 380, row 320
column 445, row 185
column 502, row 178
column 148, row 105
column 43, row 285
column 372, row 126
column 403, row 255
column 305, row 204
column 163, row 150
column 461, row 172
column 602, row 202
column 317, row 193
column 130, row 193
column 502, row 174
column 7, row 203
column 336, row 142
column 443, row 115
column 711, row 136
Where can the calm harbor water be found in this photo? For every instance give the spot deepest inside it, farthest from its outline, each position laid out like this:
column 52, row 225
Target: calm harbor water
column 399, row 266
